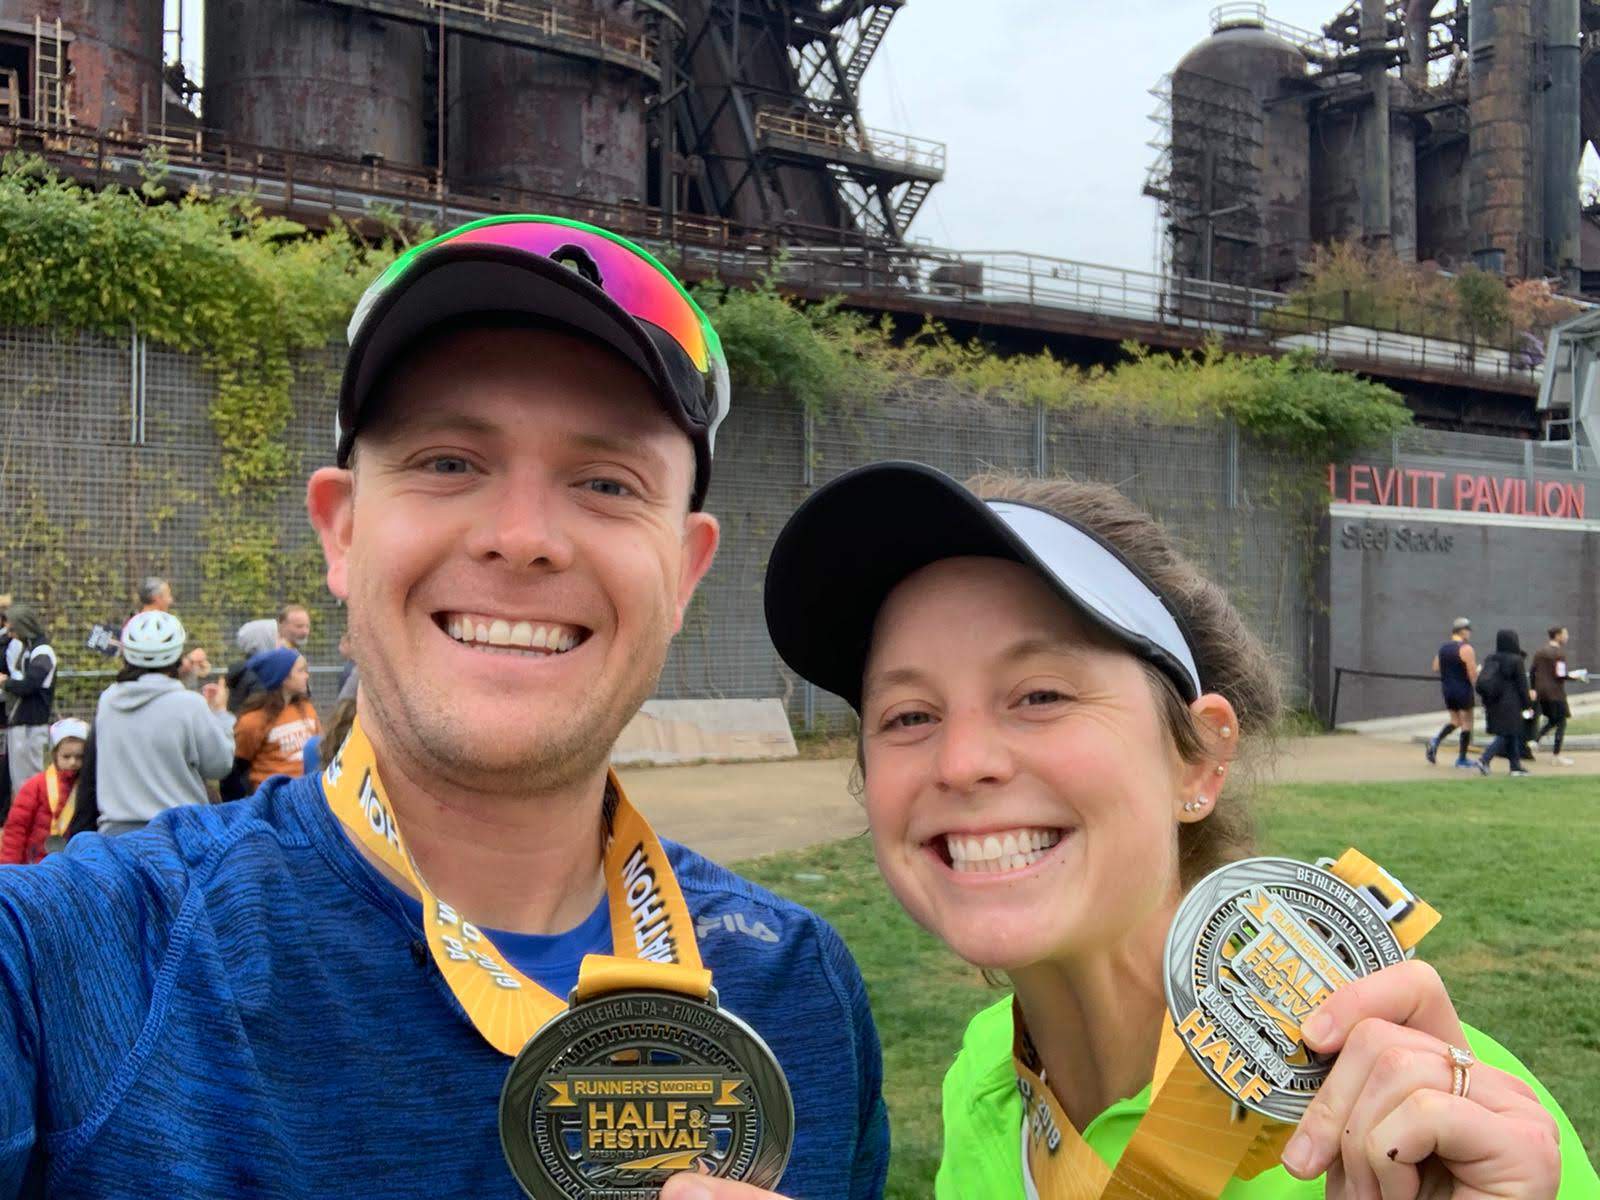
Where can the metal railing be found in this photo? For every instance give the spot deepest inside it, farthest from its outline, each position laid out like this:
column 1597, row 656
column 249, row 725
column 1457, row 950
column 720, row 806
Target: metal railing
column 1040, row 285
column 543, row 20
column 1316, row 46
column 1338, row 680
column 922, row 153
column 1027, row 287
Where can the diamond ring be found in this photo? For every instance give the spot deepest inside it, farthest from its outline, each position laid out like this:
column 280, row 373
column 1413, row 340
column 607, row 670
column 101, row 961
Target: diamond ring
column 1461, row 1064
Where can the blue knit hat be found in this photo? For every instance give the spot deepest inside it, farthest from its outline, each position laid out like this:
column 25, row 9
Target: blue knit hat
column 272, row 667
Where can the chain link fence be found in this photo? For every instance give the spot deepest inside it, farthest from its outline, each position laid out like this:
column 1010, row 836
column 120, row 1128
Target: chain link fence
column 108, row 462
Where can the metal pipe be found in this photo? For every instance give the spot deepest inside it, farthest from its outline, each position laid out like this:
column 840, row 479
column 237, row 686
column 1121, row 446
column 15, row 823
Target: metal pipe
column 1500, row 170
column 439, row 109
column 1376, row 208
column 1562, row 143
column 1418, row 20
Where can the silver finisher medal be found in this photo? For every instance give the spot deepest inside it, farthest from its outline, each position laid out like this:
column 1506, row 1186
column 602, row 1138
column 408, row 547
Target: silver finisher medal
column 1254, row 948
column 616, row 1094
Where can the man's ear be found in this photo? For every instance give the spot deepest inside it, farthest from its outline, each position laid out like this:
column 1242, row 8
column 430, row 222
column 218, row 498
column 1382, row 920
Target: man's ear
column 331, row 505
column 701, row 533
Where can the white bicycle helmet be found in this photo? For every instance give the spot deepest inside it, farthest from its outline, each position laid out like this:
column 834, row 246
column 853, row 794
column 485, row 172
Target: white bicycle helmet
column 153, row 639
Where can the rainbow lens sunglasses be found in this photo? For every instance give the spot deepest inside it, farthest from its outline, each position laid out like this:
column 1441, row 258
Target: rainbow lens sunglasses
column 625, row 274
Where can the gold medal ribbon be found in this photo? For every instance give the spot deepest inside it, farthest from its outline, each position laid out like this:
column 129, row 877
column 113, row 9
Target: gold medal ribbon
column 651, row 932
column 1192, row 1140
column 60, row 813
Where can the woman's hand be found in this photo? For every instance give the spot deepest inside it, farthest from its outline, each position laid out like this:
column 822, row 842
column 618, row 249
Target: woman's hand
column 688, row 1186
column 1385, row 1124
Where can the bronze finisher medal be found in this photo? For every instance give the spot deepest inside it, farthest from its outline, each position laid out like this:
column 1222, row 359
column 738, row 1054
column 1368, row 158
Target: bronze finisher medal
column 621, row 1091
column 1257, row 945
column 643, row 1075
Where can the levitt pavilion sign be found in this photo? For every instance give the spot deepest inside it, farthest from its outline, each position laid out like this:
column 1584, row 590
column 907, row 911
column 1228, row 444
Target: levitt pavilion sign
column 1455, row 491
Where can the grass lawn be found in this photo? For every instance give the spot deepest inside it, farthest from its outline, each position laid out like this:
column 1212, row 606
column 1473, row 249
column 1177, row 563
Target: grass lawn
column 1510, row 863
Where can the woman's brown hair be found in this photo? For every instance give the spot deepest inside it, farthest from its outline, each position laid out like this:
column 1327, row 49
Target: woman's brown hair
column 1231, row 660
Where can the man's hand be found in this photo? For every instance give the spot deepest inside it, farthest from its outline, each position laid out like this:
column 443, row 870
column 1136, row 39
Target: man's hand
column 216, row 694
column 194, row 664
column 688, row 1186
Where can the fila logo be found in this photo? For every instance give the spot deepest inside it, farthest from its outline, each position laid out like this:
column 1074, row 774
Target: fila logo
column 735, row 923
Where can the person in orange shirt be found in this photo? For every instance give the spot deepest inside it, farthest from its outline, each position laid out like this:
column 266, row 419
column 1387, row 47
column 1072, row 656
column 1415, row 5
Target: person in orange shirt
column 37, row 822
column 274, row 724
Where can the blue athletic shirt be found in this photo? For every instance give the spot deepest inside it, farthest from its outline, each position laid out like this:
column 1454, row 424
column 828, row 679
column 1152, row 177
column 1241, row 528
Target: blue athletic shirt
column 233, row 1003
column 549, row 959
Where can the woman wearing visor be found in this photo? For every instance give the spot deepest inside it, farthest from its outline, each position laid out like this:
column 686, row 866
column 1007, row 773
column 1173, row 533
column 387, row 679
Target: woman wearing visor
column 1053, row 703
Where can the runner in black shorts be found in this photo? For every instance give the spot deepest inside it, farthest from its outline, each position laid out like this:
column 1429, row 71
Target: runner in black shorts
column 1456, row 665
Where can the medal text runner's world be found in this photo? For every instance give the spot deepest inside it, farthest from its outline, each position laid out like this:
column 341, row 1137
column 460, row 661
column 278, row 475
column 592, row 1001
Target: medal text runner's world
column 1253, row 949
column 643, row 1075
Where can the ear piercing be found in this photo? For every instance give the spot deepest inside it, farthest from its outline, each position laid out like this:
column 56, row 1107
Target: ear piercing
column 1226, row 731
column 1197, row 803
column 1221, row 770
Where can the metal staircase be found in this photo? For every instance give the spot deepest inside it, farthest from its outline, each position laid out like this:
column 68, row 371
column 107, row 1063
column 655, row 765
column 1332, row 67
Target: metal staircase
column 831, row 53
column 910, row 201
column 869, row 37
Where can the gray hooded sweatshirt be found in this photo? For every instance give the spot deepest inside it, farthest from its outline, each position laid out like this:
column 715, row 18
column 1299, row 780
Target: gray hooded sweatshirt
column 156, row 743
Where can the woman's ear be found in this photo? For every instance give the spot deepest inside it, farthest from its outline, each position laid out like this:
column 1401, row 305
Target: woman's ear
column 1203, row 779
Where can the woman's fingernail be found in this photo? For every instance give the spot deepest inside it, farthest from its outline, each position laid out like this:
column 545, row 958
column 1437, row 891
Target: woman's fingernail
column 1297, row 1155
column 1317, row 1025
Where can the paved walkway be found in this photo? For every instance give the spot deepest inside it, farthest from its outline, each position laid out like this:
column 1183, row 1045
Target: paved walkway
column 741, row 810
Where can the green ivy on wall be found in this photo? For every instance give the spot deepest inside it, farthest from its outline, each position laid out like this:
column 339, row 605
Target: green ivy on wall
column 823, row 356
column 244, row 291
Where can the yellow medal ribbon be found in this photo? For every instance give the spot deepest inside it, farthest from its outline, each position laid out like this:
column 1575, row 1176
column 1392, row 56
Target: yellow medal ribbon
column 651, row 932
column 60, row 813
column 1191, row 1141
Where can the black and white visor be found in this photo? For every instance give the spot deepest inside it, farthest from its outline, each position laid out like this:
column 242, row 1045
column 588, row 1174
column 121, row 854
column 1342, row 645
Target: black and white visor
column 854, row 539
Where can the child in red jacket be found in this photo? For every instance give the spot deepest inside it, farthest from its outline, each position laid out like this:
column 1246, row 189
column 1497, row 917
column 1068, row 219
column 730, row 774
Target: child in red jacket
column 42, row 809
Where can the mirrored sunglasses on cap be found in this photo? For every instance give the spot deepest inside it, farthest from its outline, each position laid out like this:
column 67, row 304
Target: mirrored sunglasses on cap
column 854, row 539
column 553, row 270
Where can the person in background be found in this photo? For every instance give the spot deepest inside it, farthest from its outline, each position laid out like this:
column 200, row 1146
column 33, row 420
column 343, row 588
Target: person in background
column 30, row 694
column 156, row 742
column 253, row 638
column 1456, row 665
column 155, row 595
column 294, row 626
column 344, row 712
column 350, row 677
column 274, row 724
column 39, row 819
column 1507, row 703
column 193, row 668
column 1550, row 677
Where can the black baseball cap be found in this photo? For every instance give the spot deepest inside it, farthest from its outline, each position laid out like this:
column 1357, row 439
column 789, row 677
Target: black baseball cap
column 549, row 271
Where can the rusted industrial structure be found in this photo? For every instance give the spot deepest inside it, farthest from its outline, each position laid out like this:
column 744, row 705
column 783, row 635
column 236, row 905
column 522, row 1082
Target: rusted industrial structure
column 1440, row 129
column 95, row 62
column 743, row 112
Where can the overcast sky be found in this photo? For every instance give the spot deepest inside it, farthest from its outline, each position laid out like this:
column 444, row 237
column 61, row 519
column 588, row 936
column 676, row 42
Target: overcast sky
column 1045, row 107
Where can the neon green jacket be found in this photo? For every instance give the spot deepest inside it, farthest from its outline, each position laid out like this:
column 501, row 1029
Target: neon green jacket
column 983, row 1125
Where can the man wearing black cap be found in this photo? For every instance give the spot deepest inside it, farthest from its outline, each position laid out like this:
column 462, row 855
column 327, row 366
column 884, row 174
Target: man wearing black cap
column 319, row 990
